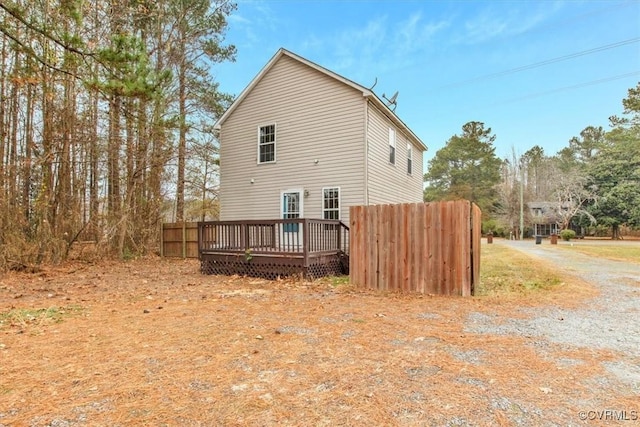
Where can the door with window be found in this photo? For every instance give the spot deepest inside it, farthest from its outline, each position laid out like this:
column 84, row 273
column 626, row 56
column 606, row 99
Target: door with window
column 291, row 207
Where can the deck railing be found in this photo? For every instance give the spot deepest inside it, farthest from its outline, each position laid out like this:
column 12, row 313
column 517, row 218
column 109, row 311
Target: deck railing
column 300, row 237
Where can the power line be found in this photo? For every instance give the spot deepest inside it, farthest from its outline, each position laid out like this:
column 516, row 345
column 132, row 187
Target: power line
column 565, row 88
column 543, row 63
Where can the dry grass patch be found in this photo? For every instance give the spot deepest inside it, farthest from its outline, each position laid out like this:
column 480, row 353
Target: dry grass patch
column 507, row 273
column 623, row 251
column 22, row 317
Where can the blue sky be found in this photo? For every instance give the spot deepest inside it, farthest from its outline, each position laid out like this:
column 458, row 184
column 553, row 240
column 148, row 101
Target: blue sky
column 457, row 61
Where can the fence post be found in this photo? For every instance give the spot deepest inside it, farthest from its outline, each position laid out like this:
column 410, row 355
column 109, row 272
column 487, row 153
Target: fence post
column 184, row 239
column 200, row 239
column 161, row 240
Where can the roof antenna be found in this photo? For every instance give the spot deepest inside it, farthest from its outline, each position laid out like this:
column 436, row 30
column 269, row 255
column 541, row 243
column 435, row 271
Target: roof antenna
column 392, row 101
column 374, row 84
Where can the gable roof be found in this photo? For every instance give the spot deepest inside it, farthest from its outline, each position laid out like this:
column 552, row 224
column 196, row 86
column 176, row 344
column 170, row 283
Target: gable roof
column 367, row 93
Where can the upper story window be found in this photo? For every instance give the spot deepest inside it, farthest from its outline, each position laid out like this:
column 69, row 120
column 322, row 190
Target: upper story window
column 409, row 159
column 267, row 144
column 392, row 146
column 331, row 203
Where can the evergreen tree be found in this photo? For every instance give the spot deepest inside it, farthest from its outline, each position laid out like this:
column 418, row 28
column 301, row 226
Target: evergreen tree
column 466, row 168
column 615, row 171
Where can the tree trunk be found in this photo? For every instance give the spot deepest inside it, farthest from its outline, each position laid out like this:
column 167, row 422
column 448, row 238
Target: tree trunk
column 3, row 131
column 44, row 197
column 182, row 140
column 113, row 163
column 26, row 185
column 141, row 211
column 94, row 161
column 63, row 196
column 615, row 232
column 12, row 154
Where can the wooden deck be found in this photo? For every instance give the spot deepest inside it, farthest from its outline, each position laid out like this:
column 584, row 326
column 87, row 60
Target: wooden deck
column 274, row 248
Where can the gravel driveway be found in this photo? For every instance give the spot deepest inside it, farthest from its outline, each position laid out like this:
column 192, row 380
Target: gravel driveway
column 610, row 321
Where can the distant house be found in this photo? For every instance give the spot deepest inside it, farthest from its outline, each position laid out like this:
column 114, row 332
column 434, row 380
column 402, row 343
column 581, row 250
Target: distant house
column 544, row 218
column 547, row 218
column 303, row 141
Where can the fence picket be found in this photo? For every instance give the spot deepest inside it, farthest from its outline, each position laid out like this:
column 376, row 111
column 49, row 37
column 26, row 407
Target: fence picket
column 385, row 253
column 420, row 247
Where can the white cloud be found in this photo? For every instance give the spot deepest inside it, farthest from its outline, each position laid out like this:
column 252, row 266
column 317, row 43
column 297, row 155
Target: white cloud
column 484, row 27
column 237, row 19
column 414, row 34
column 497, row 21
column 379, row 43
column 263, row 19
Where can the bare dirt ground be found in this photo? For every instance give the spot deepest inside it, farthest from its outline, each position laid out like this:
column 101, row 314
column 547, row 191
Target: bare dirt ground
column 153, row 342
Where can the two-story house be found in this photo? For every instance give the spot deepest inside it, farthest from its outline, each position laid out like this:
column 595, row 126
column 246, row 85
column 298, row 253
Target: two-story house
column 544, row 218
column 301, row 141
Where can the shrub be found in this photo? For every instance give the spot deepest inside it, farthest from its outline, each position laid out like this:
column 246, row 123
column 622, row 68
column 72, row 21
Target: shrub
column 489, row 226
column 567, row 235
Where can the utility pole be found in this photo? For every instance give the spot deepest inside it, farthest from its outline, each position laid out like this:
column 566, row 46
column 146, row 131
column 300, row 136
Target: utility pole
column 521, row 201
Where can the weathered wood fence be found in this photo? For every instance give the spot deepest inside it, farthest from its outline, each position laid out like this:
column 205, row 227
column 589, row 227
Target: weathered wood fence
column 179, row 239
column 430, row 248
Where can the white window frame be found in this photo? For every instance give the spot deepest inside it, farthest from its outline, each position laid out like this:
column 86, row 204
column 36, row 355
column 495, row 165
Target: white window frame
column 333, row 209
column 261, row 144
column 392, row 146
column 409, row 159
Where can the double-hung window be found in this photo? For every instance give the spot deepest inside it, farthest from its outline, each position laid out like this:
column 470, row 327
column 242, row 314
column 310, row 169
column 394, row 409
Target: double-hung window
column 267, row 144
column 331, row 203
column 409, row 159
column 392, row 146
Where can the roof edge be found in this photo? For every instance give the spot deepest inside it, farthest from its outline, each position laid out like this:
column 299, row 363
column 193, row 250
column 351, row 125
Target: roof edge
column 366, row 92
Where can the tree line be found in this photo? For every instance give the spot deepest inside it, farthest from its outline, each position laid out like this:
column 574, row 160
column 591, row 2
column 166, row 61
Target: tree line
column 106, row 131
column 107, row 107
column 592, row 184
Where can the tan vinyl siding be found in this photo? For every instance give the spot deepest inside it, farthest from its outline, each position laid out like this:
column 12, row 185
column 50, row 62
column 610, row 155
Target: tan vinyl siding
column 316, row 118
column 390, row 183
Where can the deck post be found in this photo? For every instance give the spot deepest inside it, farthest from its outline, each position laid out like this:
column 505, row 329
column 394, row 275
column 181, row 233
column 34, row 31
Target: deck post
column 246, row 237
column 274, row 233
column 305, row 242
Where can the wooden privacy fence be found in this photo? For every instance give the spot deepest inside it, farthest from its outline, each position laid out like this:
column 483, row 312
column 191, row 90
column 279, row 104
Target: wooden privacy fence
column 179, row 239
column 430, row 248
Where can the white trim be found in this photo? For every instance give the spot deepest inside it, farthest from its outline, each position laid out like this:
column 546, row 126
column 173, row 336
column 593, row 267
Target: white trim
column 366, row 152
column 409, row 159
column 322, row 210
column 275, row 139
